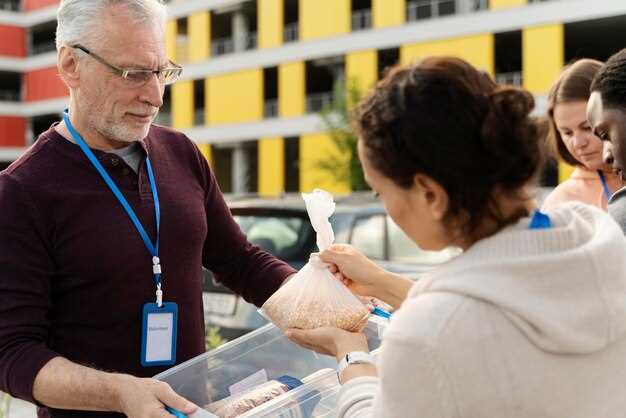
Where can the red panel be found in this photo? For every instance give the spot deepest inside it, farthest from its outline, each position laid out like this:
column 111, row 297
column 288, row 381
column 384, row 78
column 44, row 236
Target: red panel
column 38, row 4
column 44, row 84
column 13, row 41
column 12, row 131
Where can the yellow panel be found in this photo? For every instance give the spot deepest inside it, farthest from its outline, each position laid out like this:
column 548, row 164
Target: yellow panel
column 313, row 149
column 388, row 13
column 501, row 4
column 270, row 18
column 291, row 89
column 271, row 166
column 478, row 50
column 543, row 56
column 205, row 149
column 182, row 104
column 236, row 97
column 199, row 36
column 322, row 18
column 565, row 170
column 170, row 39
column 362, row 67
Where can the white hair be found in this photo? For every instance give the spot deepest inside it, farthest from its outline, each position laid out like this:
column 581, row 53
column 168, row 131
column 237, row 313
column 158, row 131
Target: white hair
column 80, row 20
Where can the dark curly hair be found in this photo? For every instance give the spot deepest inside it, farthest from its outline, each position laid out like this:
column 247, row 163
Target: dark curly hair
column 610, row 81
column 573, row 85
column 447, row 120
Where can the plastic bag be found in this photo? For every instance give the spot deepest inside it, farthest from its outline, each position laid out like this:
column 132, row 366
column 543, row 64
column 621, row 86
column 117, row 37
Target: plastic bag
column 313, row 297
column 234, row 406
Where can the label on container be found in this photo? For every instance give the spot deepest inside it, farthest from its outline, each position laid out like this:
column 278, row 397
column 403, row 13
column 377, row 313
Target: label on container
column 249, row 382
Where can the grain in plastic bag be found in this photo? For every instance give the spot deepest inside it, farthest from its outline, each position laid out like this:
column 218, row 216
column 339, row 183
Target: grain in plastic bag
column 313, row 297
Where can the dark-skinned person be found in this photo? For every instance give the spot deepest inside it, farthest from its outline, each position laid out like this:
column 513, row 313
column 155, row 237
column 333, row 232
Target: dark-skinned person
column 530, row 320
column 606, row 113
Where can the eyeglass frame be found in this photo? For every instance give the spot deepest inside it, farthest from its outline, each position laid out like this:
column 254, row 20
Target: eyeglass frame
column 124, row 72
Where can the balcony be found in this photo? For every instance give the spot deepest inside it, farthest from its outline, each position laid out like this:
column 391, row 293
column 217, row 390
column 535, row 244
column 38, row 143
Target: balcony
column 291, row 33
column 317, row 102
column 362, row 19
column 222, row 46
column 43, row 47
column 10, row 5
column 9, row 96
column 270, row 108
column 432, row 9
column 510, row 79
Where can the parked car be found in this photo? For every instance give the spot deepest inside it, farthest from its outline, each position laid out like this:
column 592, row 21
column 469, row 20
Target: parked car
column 281, row 226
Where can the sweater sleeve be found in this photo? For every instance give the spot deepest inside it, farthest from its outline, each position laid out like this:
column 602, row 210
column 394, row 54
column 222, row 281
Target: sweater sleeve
column 25, row 273
column 412, row 383
column 242, row 267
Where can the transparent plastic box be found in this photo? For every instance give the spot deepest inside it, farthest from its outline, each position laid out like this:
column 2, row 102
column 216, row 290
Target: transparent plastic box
column 262, row 355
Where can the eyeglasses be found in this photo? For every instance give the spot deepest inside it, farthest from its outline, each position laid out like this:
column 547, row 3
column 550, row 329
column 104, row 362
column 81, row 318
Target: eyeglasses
column 138, row 77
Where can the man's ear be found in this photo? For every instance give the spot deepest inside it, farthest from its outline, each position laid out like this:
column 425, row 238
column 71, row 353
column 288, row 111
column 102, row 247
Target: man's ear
column 433, row 195
column 69, row 66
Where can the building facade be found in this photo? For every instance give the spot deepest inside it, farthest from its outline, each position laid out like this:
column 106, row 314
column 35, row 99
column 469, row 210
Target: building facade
column 257, row 72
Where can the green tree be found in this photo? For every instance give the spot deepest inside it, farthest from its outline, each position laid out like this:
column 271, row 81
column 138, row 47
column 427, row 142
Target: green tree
column 213, row 339
column 337, row 122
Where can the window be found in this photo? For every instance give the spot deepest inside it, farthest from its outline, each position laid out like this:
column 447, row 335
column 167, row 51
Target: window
column 278, row 235
column 368, row 236
column 403, row 250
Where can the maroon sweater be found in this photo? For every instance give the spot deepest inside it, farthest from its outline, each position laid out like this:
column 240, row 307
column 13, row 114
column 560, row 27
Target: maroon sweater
column 75, row 274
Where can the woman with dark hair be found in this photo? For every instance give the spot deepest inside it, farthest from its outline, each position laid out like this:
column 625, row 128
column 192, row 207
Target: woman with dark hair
column 606, row 113
column 592, row 181
column 530, row 320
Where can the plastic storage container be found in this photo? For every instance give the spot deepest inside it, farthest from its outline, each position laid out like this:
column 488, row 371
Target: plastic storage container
column 255, row 358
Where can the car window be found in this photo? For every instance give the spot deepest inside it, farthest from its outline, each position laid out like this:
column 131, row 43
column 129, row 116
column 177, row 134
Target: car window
column 277, row 235
column 368, row 236
column 402, row 249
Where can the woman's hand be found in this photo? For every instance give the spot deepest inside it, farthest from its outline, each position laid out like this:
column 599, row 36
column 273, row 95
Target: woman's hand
column 364, row 277
column 358, row 272
column 328, row 340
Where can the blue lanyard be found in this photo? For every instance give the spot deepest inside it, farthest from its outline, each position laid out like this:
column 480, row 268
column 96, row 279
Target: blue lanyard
column 152, row 248
column 540, row 221
column 605, row 186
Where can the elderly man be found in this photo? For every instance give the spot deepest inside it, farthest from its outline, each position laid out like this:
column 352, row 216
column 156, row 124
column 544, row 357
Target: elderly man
column 106, row 222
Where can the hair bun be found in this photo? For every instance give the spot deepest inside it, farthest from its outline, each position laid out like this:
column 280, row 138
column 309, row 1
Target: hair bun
column 509, row 135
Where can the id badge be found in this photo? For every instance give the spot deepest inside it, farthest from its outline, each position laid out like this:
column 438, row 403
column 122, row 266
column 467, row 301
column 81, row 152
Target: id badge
column 158, row 335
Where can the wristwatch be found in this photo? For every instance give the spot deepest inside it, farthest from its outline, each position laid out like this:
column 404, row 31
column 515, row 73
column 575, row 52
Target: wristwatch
column 355, row 357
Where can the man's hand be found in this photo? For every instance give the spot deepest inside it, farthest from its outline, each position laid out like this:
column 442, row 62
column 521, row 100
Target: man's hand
column 146, row 398
column 62, row 384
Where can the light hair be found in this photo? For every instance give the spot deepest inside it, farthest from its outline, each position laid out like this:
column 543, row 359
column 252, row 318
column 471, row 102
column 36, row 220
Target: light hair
column 81, row 20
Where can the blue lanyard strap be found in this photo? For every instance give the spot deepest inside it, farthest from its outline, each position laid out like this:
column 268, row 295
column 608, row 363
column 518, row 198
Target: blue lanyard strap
column 540, row 221
column 152, row 248
column 605, row 185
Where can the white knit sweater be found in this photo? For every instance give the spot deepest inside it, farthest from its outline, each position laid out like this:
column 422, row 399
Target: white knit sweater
column 526, row 323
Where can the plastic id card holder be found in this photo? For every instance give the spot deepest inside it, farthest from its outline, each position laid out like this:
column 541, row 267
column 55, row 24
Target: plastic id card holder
column 158, row 334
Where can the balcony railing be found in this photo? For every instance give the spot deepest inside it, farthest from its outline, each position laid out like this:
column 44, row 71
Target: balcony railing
column 9, row 96
column 164, row 118
column 430, row 9
column 42, row 47
column 10, row 5
column 182, row 50
column 291, row 33
column 270, row 108
column 198, row 117
column 511, row 79
column 251, row 40
column 222, row 46
column 318, row 101
column 362, row 19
